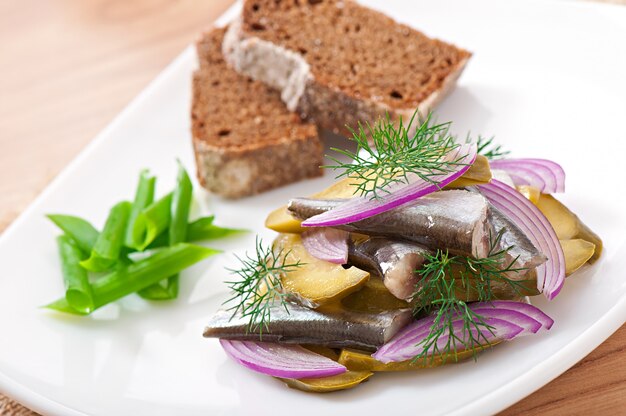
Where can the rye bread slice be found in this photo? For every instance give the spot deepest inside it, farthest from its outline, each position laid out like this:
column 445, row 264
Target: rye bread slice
column 337, row 63
column 245, row 139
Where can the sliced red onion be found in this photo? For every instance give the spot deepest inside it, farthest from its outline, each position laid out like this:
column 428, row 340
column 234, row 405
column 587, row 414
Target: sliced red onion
column 525, row 308
column 530, row 325
column 497, row 329
column 327, row 244
column 551, row 274
column 493, row 329
column 518, row 313
column 279, row 360
column 402, row 348
column 507, row 319
column 359, row 208
column 544, row 174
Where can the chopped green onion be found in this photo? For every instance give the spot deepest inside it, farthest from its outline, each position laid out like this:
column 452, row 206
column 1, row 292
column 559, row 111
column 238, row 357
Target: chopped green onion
column 144, row 196
column 78, row 291
column 79, row 230
column 61, row 305
column 204, row 229
column 158, row 291
column 120, row 249
column 134, row 277
column 180, row 205
column 200, row 230
column 106, row 251
column 151, row 222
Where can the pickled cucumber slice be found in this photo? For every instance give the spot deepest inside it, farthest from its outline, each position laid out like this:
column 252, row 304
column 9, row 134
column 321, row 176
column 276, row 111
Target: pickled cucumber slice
column 586, row 234
column 465, row 288
column 321, row 350
column 564, row 221
column 478, row 173
column 373, row 297
column 316, row 282
column 362, row 361
column 280, row 219
column 530, row 192
column 567, row 225
column 577, row 252
column 343, row 381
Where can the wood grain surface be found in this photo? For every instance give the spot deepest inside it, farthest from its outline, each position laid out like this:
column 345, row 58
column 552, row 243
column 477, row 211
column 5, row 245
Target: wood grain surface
column 67, row 67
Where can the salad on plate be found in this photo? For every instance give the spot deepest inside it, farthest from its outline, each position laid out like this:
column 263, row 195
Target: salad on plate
column 426, row 251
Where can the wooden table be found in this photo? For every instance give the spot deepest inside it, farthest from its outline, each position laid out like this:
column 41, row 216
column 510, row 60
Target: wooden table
column 69, row 66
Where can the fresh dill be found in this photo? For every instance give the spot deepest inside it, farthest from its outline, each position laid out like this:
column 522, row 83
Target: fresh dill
column 446, row 283
column 258, row 287
column 489, row 149
column 387, row 154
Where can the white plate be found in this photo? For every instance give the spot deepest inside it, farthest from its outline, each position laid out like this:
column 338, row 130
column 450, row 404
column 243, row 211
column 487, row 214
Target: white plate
column 547, row 78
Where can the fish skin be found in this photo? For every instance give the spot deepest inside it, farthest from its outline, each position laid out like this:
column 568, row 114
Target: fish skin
column 521, row 249
column 461, row 223
column 394, row 261
column 454, row 220
column 341, row 329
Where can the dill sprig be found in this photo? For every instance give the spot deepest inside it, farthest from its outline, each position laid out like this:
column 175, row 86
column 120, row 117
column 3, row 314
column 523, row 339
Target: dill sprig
column 489, row 149
column 480, row 274
column 386, row 155
column 437, row 294
column 259, row 285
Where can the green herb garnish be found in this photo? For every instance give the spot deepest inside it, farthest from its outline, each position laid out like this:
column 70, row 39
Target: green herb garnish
column 259, row 286
column 386, row 154
column 437, row 294
column 489, row 149
column 108, row 246
column 177, row 233
column 204, row 229
column 144, row 197
column 81, row 231
column 163, row 226
column 199, row 230
column 78, row 291
column 152, row 222
column 127, row 279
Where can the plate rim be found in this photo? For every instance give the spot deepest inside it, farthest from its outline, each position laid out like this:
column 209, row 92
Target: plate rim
column 552, row 367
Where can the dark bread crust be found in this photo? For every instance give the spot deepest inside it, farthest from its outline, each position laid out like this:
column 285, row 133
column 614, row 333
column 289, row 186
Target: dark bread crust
column 337, row 111
column 362, row 63
column 245, row 139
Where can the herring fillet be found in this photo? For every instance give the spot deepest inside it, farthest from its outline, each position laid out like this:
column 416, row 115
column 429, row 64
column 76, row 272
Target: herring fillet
column 343, row 329
column 460, row 221
column 396, row 262
column 454, row 220
column 519, row 247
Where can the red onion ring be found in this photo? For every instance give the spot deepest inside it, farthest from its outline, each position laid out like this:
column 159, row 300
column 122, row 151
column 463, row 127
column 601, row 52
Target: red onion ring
column 278, row 360
column 359, row 208
column 327, row 244
column 507, row 319
column 527, row 309
column 551, row 274
column 544, row 174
